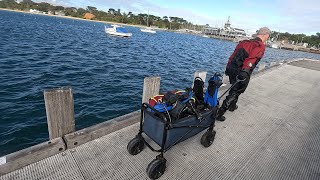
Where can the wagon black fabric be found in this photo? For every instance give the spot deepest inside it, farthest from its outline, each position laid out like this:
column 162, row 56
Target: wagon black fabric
column 154, row 127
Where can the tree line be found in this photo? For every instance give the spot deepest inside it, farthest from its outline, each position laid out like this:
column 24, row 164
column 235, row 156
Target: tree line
column 313, row 40
column 113, row 15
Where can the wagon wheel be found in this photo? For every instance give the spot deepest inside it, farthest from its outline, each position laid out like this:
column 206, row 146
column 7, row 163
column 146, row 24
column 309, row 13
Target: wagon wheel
column 135, row 146
column 156, row 168
column 207, row 138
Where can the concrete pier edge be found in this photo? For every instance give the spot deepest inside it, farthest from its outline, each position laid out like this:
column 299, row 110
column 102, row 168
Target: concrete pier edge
column 31, row 155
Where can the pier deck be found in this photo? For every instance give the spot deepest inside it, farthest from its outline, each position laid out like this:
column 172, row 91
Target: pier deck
column 273, row 135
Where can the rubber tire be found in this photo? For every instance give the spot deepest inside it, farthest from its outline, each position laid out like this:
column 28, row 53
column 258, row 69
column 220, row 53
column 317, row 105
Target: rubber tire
column 208, row 138
column 156, row 168
column 135, row 146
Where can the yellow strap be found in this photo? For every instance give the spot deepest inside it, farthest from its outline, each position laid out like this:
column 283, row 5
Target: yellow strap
column 181, row 91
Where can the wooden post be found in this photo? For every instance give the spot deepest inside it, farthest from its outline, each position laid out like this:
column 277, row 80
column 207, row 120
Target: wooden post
column 281, row 62
column 225, row 80
column 273, row 63
column 201, row 74
column 262, row 66
column 151, row 87
column 60, row 111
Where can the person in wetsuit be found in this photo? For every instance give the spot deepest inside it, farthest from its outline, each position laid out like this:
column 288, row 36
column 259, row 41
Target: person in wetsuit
column 241, row 63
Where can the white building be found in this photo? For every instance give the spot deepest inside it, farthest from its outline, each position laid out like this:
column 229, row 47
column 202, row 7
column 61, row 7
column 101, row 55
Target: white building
column 226, row 31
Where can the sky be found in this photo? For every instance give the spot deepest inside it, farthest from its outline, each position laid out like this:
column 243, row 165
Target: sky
column 293, row 16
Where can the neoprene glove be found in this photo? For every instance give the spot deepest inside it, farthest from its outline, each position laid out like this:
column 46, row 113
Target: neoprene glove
column 227, row 72
column 243, row 75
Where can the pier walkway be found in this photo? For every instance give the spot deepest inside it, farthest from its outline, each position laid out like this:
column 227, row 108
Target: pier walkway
column 275, row 134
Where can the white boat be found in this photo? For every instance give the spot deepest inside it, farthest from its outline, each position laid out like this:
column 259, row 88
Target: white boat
column 148, row 30
column 205, row 36
column 117, row 30
column 274, row 45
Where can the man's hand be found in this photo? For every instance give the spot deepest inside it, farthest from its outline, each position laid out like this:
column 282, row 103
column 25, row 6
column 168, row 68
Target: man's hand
column 243, row 75
column 227, row 72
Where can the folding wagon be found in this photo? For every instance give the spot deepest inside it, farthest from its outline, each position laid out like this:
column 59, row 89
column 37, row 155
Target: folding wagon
column 167, row 129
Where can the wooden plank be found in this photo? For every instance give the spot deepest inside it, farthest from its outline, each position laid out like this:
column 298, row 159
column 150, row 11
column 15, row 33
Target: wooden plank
column 225, row 80
column 201, row 74
column 88, row 134
column 31, row 155
column 60, row 111
column 273, row 63
column 281, row 62
column 151, row 87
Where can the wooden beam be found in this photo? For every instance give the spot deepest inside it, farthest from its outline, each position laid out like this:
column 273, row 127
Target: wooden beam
column 88, row 134
column 31, row 155
column 273, row 63
column 60, row 111
column 151, row 87
column 225, row 80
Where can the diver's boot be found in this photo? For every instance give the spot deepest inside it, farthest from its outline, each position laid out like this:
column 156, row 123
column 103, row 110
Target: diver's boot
column 233, row 108
column 220, row 118
column 220, row 114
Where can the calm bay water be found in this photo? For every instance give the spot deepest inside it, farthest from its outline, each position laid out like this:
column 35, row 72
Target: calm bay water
column 106, row 73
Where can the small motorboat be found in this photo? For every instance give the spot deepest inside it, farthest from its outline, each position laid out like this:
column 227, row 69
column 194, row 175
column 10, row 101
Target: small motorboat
column 117, row 30
column 148, row 30
column 274, row 45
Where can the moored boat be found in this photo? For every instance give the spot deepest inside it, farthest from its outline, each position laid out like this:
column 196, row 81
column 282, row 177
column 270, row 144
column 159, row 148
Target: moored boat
column 117, row 30
column 274, row 45
column 148, row 30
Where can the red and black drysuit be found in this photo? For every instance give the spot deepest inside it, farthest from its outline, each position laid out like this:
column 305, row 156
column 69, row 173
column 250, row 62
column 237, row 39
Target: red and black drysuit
column 241, row 63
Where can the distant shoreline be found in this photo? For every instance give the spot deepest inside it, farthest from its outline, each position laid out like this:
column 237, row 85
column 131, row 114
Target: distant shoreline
column 309, row 50
column 76, row 18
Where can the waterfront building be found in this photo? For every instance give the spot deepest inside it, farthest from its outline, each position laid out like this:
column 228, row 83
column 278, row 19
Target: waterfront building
column 226, row 31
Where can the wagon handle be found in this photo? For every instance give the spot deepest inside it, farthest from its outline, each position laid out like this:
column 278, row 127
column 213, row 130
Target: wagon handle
column 146, row 105
column 237, row 81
